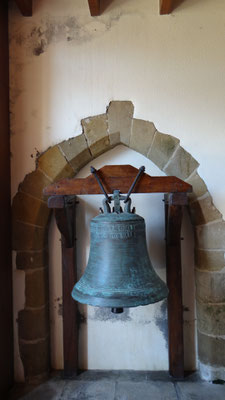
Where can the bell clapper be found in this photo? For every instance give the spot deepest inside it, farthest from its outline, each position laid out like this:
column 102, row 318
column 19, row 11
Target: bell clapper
column 116, row 310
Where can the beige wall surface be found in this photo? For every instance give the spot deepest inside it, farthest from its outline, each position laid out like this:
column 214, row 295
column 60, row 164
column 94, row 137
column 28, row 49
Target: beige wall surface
column 66, row 65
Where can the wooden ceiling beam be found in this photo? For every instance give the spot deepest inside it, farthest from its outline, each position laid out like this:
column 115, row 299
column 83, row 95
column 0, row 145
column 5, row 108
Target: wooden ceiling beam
column 167, row 6
column 94, row 6
column 25, row 7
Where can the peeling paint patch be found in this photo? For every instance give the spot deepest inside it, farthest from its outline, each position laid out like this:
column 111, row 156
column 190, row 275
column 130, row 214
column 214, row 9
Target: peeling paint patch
column 81, row 317
column 37, row 37
column 105, row 314
column 161, row 321
column 36, row 155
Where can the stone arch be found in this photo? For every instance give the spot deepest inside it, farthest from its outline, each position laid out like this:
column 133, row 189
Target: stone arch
column 31, row 218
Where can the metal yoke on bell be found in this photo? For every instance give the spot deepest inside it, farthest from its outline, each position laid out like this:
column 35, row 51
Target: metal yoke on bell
column 119, row 272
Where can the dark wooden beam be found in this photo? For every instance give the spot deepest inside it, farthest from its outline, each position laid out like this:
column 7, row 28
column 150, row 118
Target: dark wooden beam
column 167, row 6
column 117, row 177
column 94, row 6
column 25, row 7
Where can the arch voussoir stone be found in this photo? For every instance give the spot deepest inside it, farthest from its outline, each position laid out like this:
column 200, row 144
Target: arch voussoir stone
column 30, row 227
column 76, row 152
column 181, row 164
column 142, row 136
column 162, row 149
column 120, row 120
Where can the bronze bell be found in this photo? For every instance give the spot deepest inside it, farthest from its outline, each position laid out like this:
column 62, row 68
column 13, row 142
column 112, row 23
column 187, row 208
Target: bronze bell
column 119, row 272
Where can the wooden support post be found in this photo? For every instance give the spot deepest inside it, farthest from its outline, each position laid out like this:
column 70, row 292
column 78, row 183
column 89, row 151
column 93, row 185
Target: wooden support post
column 65, row 219
column 173, row 218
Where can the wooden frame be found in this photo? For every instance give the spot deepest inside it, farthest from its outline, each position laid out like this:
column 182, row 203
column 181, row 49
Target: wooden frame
column 120, row 177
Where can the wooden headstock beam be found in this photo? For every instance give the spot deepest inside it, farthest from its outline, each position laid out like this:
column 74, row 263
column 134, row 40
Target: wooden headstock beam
column 117, row 177
column 25, row 7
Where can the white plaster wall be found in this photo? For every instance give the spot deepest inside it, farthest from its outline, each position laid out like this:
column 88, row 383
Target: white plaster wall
column 171, row 67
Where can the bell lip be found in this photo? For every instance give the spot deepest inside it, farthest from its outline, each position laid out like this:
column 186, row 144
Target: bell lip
column 118, row 302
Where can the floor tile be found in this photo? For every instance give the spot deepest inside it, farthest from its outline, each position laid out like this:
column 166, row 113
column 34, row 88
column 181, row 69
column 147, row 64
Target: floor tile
column 51, row 390
column 145, row 391
column 80, row 390
column 200, row 391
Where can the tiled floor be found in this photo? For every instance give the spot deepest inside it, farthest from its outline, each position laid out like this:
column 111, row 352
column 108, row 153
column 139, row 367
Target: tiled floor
column 126, row 385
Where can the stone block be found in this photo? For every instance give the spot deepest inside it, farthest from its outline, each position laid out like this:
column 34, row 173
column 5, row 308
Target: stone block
column 198, row 185
column 203, row 211
column 31, row 259
column 162, row 149
column 54, row 164
column 96, row 132
column 76, row 152
column 211, row 260
column 211, row 318
column 36, row 288
column 200, row 391
column 35, row 357
column 114, row 139
column 181, row 165
column 120, row 117
column 33, row 324
column 34, row 183
column 211, row 350
column 211, row 236
column 145, row 391
column 210, row 286
column 28, row 237
column 142, row 135
column 30, row 210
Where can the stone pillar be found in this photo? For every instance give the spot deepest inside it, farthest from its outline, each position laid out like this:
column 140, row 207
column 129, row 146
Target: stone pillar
column 210, row 285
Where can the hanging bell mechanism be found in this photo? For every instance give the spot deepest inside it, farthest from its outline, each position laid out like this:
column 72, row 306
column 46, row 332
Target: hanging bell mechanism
column 119, row 272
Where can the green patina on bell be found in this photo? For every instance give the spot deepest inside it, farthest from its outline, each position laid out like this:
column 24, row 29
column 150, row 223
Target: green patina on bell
column 119, row 272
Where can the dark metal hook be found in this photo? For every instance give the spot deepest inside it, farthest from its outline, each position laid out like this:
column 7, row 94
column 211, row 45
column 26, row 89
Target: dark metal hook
column 140, row 172
column 94, row 172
